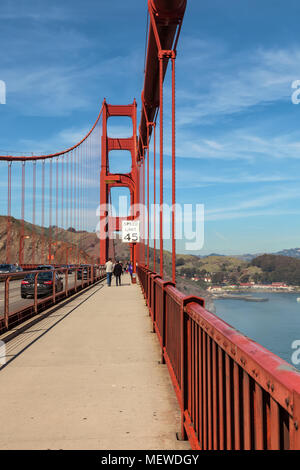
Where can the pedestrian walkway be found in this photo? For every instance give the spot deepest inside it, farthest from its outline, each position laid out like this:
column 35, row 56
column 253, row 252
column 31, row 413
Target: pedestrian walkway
column 88, row 377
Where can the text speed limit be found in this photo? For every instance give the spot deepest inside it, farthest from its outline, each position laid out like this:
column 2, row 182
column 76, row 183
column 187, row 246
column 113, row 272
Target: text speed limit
column 130, row 231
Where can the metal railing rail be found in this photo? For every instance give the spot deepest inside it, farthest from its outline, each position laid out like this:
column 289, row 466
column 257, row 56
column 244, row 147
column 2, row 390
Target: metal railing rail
column 10, row 317
column 233, row 393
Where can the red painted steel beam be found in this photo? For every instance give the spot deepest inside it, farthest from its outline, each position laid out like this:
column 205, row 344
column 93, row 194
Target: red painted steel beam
column 168, row 8
column 168, row 15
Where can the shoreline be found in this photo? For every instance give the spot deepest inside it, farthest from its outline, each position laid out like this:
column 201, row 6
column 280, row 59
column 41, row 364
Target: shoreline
column 246, row 298
column 256, row 290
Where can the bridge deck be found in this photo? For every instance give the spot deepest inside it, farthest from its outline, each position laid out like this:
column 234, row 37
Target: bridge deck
column 88, row 377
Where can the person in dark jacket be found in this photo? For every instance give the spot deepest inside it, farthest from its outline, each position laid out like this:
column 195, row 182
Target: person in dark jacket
column 118, row 272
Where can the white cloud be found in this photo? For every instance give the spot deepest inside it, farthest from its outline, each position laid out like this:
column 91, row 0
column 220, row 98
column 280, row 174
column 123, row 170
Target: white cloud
column 224, row 83
column 243, row 144
column 265, row 204
column 257, row 213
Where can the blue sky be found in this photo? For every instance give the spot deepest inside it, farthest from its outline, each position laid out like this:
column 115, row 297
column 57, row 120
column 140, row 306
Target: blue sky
column 238, row 133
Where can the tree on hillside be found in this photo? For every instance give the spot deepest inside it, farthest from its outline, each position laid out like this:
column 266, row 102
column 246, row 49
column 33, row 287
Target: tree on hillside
column 257, row 278
column 218, row 278
column 233, row 278
column 278, row 268
column 189, row 272
column 180, row 262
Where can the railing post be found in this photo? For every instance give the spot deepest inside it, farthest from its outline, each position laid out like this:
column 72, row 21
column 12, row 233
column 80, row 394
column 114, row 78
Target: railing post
column 6, row 301
column 153, row 300
column 35, row 292
column 66, row 281
column 185, row 344
column 183, row 370
column 75, row 280
column 149, row 289
column 295, row 423
column 53, row 287
column 164, row 321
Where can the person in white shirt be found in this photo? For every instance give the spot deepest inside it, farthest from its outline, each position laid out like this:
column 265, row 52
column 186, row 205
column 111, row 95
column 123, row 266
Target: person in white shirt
column 109, row 267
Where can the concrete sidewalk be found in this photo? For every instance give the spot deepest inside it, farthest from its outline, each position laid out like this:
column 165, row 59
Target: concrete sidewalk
column 89, row 378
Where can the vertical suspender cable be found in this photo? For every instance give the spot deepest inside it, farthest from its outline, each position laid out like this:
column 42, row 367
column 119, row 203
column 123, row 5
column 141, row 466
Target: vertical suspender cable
column 75, row 203
column 148, row 193
column 50, row 213
column 173, row 174
column 21, row 242
column 43, row 213
column 33, row 210
column 71, row 199
column 56, row 213
column 154, row 196
column 8, row 229
column 144, row 212
column 161, row 174
column 67, row 193
column 80, row 201
column 62, row 192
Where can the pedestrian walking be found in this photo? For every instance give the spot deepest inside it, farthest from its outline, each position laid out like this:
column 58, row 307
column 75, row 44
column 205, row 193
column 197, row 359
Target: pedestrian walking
column 118, row 272
column 130, row 269
column 109, row 267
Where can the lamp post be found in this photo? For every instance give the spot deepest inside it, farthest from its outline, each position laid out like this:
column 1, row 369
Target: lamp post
column 21, row 248
column 81, row 253
column 50, row 256
column 67, row 253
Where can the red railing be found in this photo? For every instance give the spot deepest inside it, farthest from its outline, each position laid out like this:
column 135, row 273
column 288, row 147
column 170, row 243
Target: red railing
column 232, row 392
column 13, row 313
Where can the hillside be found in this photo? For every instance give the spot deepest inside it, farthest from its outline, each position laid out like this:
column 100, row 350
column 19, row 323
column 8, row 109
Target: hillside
column 194, row 274
column 278, row 268
column 292, row 253
column 87, row 242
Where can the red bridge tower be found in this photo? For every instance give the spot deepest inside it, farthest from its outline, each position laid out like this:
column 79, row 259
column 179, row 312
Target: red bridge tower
column 108, row 180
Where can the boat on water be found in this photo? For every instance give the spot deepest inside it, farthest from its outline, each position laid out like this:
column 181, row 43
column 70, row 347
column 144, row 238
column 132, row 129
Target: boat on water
column 298, row 299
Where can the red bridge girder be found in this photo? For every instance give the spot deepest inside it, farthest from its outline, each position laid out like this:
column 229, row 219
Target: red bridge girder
column 166, row 18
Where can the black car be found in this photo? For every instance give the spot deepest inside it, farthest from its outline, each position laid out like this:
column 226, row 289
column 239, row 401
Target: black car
column 66, row 266
column 44, row 267
column 83, row 271
column 72, row 267
column 44, row 284
column 7, row 268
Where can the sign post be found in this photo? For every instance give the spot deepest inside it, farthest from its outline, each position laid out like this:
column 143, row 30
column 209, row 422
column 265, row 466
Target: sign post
column 131, row 235
column 130, row 231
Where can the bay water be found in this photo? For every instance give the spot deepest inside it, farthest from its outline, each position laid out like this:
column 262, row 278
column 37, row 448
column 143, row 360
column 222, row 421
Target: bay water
column 274, row 324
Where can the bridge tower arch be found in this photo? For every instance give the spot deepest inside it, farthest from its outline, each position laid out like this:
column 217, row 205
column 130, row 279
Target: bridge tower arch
column 108, row 180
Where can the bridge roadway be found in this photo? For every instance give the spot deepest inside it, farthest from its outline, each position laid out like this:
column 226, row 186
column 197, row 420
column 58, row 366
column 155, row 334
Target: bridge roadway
column 15, row 300
column 88, row 377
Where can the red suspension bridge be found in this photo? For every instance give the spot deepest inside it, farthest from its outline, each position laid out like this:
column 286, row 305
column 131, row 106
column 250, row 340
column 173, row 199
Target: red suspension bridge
column 232, row 393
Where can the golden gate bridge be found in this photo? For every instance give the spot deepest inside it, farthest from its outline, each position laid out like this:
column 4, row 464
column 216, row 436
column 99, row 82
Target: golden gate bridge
column 232, row 393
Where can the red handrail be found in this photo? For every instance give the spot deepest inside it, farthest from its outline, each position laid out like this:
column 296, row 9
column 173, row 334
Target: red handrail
column 233, row 393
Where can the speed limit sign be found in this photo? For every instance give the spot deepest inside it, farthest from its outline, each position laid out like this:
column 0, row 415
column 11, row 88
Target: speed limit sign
column 130, row 231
